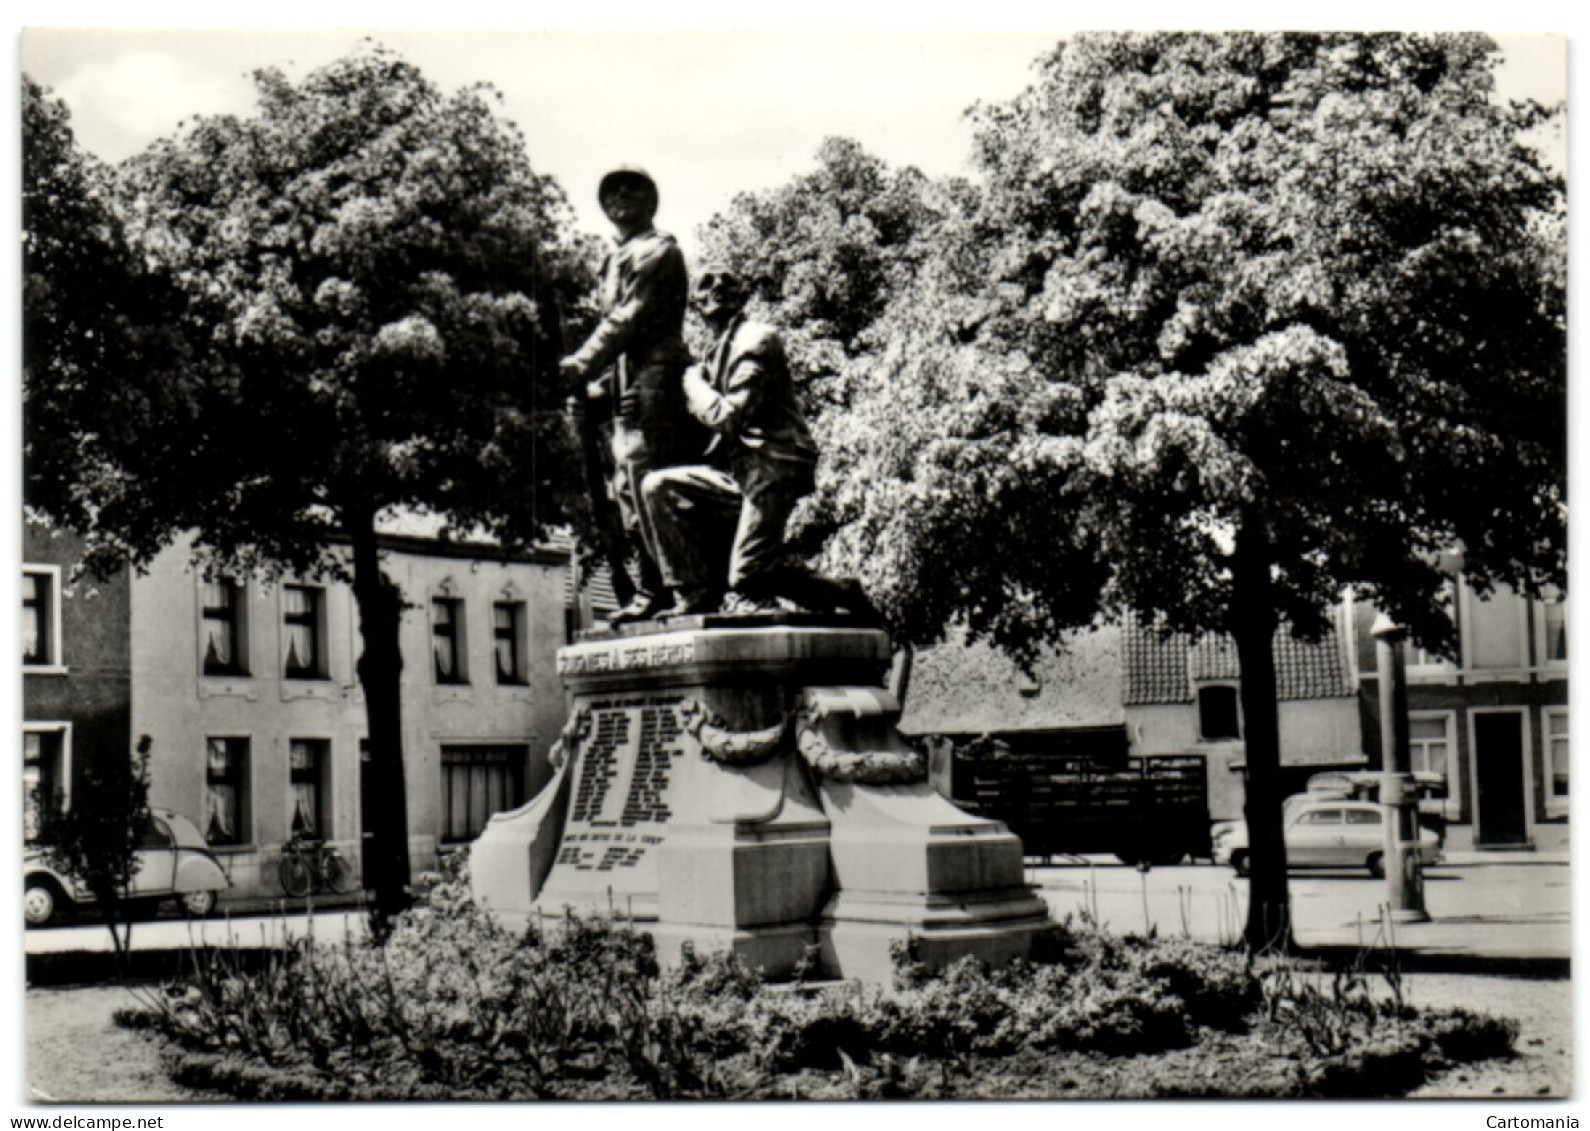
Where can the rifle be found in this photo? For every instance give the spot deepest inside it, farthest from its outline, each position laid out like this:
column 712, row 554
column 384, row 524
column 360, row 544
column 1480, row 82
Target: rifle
column 604, row 515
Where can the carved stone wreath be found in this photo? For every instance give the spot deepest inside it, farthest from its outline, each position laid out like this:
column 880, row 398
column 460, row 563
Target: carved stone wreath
column 731, row 747
column 574, row 731
column 863, row 767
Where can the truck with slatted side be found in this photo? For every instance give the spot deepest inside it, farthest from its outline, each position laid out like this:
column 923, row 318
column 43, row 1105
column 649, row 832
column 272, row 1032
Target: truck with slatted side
column 1143, row 809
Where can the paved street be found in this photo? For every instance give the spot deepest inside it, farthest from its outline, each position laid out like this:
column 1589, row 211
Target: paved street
column 253, row 930
column 1478, row 910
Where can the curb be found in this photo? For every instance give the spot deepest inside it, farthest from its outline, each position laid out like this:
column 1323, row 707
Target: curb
column 306, row 906
column 1542, row 967
column 76, row 968
column 96, row 967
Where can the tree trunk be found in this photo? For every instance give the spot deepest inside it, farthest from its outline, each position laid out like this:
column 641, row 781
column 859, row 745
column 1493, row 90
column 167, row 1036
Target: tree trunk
column 1253, row 624
column 380, row 604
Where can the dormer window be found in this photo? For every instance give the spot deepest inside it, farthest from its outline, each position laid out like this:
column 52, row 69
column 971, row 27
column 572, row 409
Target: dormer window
column 1219, row 717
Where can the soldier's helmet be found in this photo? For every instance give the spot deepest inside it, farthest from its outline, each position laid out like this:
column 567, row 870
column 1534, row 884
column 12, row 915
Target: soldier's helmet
column 628, row 174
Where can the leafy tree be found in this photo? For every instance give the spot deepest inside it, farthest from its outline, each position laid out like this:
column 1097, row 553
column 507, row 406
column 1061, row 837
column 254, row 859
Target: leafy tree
column 823, row 254
column 358, row 282
column 92, row 315
column 96, row 840
column 1262, row 316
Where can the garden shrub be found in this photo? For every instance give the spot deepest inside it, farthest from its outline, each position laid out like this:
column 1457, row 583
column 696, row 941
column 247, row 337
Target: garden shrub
column 1461, row 1036
column 455, row 1006
column 1218, row 986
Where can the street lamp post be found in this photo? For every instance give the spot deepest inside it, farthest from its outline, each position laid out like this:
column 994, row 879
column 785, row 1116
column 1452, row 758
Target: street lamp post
column 1398, row 798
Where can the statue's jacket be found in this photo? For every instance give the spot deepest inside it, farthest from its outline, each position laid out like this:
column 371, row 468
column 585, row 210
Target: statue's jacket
column 744, row 394
column 640, row 341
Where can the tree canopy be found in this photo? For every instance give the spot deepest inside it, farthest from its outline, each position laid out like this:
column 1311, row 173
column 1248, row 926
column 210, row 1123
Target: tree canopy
column 823, row 255
column 1313, row 280
column 362, row 265
column 361, row 281
column 95, row 347
column 1232, row 323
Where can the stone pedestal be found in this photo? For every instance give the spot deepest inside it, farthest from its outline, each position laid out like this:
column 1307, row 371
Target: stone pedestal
column 739, row 784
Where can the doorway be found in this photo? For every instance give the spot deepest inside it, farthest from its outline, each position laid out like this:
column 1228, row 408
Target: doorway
column 1500, row 796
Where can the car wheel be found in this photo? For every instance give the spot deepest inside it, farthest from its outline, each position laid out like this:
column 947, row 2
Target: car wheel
column 1239, row 863
column 198, row 903
column 1376, row 865
column 41, row 901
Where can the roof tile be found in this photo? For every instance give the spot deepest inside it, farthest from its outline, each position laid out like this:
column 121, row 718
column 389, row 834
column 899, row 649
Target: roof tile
column 1164, row 669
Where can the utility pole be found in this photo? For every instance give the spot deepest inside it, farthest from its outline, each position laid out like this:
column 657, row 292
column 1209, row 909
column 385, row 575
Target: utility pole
column 1398, row 798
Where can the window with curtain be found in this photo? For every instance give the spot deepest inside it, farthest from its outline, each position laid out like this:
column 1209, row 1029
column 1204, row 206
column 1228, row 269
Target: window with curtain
column 226, row 786
column 1557, row 755
column 303, row 627
column 222, row 608
column 1428, row 744
column 38, row 619
column 447, row 630
column 307, row 761
column 507, row 626
column 41, row 773
column 478, row 781
column 1430, row 748
column 1556, row 642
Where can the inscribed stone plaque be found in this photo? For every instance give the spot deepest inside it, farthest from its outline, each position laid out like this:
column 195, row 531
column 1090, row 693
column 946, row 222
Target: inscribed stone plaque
column 620, row 802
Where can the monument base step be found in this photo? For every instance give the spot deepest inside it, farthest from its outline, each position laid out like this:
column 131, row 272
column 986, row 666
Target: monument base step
column 856, row 949
column 774, row 951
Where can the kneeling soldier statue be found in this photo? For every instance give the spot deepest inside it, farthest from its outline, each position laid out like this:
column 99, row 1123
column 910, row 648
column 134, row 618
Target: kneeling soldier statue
column 761, row 460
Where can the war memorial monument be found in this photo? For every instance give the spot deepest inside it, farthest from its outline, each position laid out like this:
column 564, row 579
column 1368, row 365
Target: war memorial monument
column 730, row 774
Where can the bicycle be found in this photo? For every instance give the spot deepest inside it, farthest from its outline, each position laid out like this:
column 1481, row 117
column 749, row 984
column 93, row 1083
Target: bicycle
column 308, row 864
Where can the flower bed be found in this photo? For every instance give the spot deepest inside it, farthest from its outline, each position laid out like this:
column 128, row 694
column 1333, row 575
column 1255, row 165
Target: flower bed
column 455, row 1007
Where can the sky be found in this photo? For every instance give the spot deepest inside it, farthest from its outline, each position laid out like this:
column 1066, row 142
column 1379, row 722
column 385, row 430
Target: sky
column 709, row 112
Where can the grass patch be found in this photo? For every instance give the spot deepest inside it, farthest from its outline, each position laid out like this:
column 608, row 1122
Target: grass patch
column 455, row 1007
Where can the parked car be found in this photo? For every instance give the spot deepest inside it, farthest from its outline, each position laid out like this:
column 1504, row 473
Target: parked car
column 174, row 863
column 1330, row 833
column 1290, row 804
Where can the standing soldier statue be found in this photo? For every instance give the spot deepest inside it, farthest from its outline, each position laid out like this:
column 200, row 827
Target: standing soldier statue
column 632, row 364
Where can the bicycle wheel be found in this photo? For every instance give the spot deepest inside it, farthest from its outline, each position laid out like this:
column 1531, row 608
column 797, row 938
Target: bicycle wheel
column 335, row 873
column 295, row 875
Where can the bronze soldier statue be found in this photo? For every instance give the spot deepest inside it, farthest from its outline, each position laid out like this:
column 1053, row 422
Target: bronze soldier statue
column 719, row 523
column 632, row 363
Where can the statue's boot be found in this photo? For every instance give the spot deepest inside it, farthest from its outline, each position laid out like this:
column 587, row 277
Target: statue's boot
column 643, row 606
